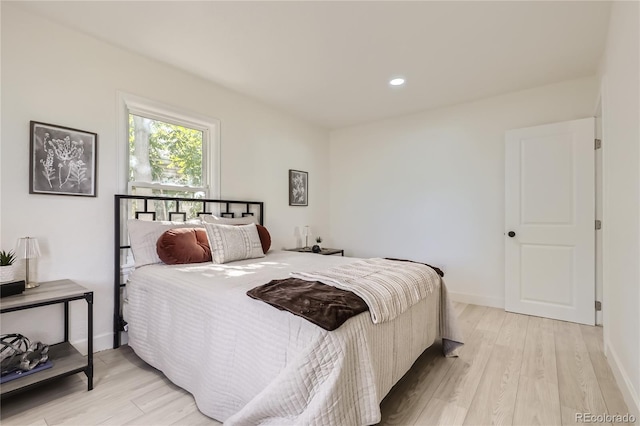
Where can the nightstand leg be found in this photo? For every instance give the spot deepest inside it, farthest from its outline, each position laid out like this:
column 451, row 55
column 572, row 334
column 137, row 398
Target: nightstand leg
column 89, row 372
column 66, row 321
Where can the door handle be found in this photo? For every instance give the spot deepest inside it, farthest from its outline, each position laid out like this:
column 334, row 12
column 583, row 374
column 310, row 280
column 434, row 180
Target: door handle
column 511, row 234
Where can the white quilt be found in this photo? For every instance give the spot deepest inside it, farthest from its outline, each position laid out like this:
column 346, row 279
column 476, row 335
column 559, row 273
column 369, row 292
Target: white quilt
column 246, row 362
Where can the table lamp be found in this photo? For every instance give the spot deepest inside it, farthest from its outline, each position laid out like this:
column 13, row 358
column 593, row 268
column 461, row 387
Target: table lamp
column 28, row 248
column 306, row 236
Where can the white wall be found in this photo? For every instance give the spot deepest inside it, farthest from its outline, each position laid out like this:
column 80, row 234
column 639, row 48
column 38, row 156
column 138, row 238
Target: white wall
column 430, row 186
column 621, row 226
column 55, row 75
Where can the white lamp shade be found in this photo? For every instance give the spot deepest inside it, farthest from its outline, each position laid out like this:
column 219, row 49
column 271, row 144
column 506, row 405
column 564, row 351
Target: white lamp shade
column 27, row 248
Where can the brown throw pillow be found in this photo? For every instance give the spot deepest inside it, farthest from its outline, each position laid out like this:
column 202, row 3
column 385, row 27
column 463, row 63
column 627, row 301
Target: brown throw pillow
column 184, row 245
column 265, row 238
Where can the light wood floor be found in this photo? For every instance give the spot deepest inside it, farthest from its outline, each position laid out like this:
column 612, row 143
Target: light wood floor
column 514, row 369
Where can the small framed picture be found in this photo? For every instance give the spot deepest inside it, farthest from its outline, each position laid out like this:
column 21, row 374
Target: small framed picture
column 62, row 161
column 298, row 188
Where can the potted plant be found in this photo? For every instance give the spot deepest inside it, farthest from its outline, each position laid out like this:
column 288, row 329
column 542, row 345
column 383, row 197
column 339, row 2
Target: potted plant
column 319, row 241
column 7, row 266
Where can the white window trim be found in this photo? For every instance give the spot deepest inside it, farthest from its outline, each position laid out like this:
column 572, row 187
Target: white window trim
column 166, row 187
column 128, row 103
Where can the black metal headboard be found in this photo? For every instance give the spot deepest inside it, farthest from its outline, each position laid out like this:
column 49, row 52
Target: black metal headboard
column 163, row 208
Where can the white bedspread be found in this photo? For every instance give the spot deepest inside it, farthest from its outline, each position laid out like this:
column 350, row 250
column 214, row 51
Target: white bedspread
column 246, row 362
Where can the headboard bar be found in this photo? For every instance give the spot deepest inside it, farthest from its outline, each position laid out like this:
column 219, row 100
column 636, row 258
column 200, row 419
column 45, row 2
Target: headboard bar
column 120, row 209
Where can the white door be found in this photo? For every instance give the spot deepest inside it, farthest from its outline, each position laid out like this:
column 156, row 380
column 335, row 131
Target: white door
column 550, row 221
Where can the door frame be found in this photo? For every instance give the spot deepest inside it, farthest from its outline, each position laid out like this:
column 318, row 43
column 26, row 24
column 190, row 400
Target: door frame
column 599, row 207
column 600, row 111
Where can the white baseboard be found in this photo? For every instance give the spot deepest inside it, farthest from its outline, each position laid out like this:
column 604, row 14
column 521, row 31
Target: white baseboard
column 631, row 397
column 100, row 343
column 475, row 299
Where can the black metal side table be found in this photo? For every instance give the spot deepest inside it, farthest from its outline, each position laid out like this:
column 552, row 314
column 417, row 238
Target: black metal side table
column 66, row 359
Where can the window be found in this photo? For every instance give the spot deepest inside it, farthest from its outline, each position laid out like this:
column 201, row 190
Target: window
column 169, row 152
column 165, row 157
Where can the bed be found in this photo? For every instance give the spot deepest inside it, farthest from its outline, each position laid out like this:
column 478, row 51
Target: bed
column 246, row 362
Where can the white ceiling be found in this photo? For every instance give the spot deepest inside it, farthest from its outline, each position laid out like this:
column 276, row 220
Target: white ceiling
column 330, row 62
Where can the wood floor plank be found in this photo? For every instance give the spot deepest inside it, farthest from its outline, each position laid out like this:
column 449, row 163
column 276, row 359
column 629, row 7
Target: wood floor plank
column 537, row 403
column 577, row 383
column 459, row 307
column 538, row 400
column 514, row 331
column 539, row 361
column 157, row 397
column 26, row 421
column 495, row 397
column 459, row 387
column 179, row 407
column 30, row 407
column 492, row 320
column 118, row 383
column 125, row 413
column 469, row 318
column 402, row 406
column 407, row 399
column 439, row 412
column 91, row 410
column 196, row 419
column 409, row 396
column 613, row 398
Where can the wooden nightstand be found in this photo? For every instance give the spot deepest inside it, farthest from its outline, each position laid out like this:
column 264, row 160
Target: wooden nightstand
column 66, row 359
column 325, row 251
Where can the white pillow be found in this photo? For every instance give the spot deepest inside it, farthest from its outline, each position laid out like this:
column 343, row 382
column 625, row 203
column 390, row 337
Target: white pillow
column 144, row 234
column 229, row 220
column 232, row 242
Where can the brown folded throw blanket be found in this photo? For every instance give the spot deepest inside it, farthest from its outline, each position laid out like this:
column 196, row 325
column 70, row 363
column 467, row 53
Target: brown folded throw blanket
column 324, row 305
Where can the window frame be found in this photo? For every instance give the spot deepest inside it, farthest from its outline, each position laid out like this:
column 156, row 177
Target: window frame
column 210, row 128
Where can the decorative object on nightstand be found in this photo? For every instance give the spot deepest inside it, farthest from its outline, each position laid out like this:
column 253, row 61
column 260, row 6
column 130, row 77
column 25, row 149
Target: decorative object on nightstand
column 28, row 248
column 11, row 288
column 7, row 266
column 306, row 236
column 319, row 241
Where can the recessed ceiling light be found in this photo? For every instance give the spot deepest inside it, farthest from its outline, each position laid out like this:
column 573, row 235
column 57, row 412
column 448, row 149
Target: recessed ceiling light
column 398, row 81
